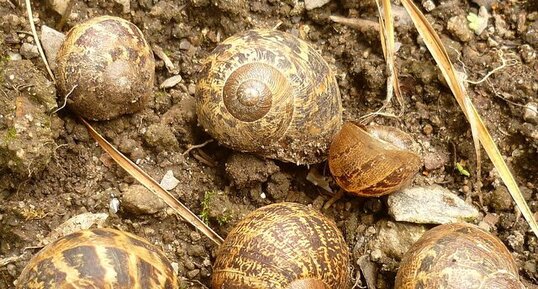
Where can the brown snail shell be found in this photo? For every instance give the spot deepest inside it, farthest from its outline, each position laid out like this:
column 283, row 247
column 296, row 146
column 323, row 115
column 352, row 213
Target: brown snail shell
column 109, row 66
column 366, row 165
column 282, row 246
column 458, row 256
column 269, row 93
column 99, row 258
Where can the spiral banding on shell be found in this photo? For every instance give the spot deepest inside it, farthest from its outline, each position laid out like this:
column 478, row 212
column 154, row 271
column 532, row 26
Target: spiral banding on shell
column 282, row 245
column 99, row 258
column 270, row 93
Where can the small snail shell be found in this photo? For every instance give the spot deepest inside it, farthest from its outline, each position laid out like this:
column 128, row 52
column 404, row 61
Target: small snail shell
column 365, row 165
column 269, row 93
column 99, row 258
column 458, row 256
column 109, row 66
column 282, row 246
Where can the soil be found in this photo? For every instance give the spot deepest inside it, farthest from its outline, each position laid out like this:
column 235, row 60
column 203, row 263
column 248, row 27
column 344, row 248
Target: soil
column 70, row 175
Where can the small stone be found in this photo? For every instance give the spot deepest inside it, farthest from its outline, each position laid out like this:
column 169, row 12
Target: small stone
column 457, row 25
column 195, row 236
column 29, row 51
column 434, row 160
column 430, row 205
column 58, row 5
column 161, row 137
column 126, row 4
column 169, row 181
column 530, row 113
column 428, row 5
column 427, row 129
column 139, row 200
column 171, row 81
column 531, row 36
column 528, row 54
column 311, row 4
column 51, row 40
column 193, row 273
column 184, row 44
column 500, row 199
column 394, row 239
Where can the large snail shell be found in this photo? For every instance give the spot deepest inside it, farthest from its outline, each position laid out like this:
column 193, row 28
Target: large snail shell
column 366, row 165
column 458, row 256
column 99, row 258
column 107, row 67
column 270, row 93
column 282, row 246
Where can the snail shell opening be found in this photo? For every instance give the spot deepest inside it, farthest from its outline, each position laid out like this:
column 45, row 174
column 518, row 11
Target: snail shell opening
column 269, row 93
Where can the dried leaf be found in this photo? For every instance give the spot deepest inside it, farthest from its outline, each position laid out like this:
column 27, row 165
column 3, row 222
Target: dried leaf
column 79, row 222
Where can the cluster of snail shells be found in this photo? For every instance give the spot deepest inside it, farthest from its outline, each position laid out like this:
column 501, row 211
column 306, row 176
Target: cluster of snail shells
column 105, row 68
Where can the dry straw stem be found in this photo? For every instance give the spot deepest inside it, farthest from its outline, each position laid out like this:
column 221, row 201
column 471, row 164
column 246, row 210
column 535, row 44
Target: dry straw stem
column 386, row 33
column 152, row 185
column 479, row 130
column 36, row 39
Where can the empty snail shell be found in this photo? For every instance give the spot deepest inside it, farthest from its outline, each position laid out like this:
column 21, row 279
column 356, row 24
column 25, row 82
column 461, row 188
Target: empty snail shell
column 99, row 258
column 282, row 246
column 105, row 68
column 458, row 256
column 269, row 93
column 364, row 164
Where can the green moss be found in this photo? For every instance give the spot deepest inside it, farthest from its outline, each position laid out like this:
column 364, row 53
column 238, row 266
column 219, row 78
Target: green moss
column 10, row 135
column 207, row 203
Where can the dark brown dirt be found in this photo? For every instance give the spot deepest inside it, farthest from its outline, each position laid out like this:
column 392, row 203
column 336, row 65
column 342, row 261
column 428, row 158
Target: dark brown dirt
column 222, row 185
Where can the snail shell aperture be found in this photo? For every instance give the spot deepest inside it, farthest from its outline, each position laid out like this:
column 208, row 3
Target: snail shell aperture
column 269, row 93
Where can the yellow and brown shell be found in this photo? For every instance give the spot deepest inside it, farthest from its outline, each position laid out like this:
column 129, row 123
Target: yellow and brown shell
column 269, row 93
column 282, row 246
column 99, row 258
column 105, row 68
column 458, row 256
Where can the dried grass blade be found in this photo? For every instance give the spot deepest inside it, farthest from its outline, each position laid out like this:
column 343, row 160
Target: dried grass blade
column 36, row 39
column 436, row 48
column 386, row 34
column 152, row 185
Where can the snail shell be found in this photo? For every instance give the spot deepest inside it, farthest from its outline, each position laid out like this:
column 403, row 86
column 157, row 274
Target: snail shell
column 269, row 93
column 458, row 256
column 99, row 258
column 109, row 66
column 362, row 163
column 282, row 246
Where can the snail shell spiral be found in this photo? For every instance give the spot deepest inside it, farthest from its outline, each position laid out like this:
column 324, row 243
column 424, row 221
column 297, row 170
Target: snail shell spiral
column 283, row 246
column 99, row 258
column 270, row 93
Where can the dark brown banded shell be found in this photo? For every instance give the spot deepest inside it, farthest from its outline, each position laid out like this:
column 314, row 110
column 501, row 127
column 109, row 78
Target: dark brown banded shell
column 109, row 65
column 458, row 256
column 269, row 93
column 283, row 246
column 99, row 258
column 367, row 166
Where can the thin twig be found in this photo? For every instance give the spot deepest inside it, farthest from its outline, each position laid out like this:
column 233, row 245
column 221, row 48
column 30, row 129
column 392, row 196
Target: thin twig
column 191, row 147
column 36, row 39
column 65, row 100
column 65, row 15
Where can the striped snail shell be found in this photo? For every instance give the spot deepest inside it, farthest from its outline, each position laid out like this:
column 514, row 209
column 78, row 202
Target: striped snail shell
column 283, row 246
column 269, row 93
column 458, row 256
column 99, row 258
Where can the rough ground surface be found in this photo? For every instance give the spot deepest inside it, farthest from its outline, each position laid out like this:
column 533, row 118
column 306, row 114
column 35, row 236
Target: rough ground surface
column 222, row 185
